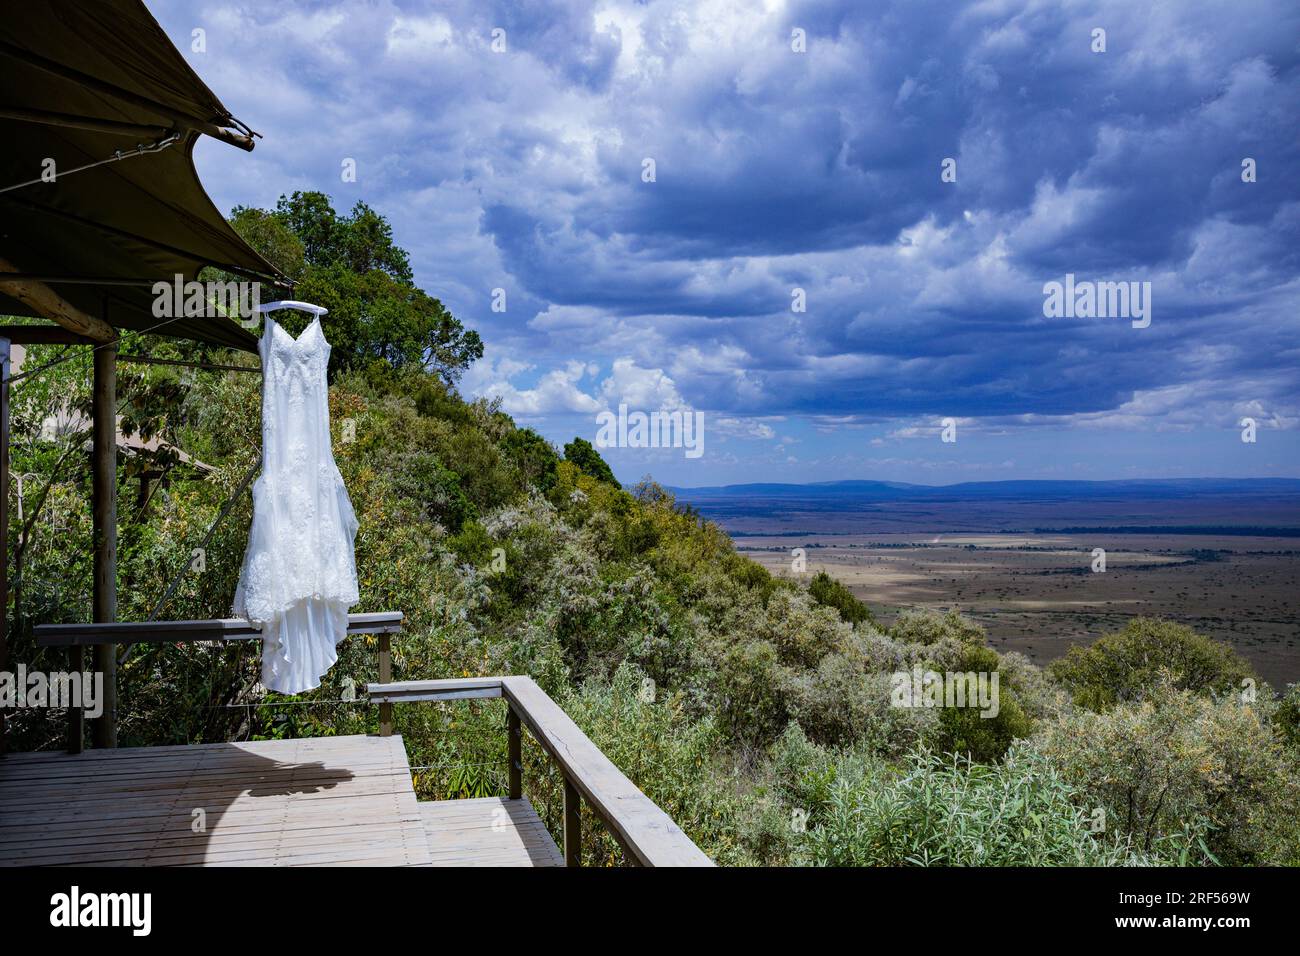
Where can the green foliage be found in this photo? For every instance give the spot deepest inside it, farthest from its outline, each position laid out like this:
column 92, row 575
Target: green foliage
column 351, row 265
column 829, row 592
column 581, row 453
column 930, row 627
column 947, row 811
column 472, row 545
column 671, row 757
column 791, row 790
column 747, row 685
column 272, row 236
column 968, row 730
column 1287, row 718
column 425, row 479
column 1128, row 665
column 533, row 457
column 1176, row 760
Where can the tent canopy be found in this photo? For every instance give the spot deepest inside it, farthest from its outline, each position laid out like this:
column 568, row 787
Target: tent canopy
column 78, row 83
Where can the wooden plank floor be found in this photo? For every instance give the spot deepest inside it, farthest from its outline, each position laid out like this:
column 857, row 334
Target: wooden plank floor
column 488, row 832
column 316, row 802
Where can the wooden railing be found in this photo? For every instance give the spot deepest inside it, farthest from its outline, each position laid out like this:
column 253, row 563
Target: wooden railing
column 648, row 836
column 76, row 637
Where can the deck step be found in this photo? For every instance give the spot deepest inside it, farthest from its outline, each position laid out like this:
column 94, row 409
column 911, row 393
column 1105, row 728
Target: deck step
column 491, row 831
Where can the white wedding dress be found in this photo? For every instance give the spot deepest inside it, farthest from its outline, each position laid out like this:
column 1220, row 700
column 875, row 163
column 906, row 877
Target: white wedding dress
column 299, row 576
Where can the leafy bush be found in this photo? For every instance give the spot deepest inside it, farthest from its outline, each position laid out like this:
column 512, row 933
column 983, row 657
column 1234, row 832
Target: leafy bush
column 581, row 453
column 949, row 811
column 827, row 591
column 669, row 756
column 967, row 730
column 931, row 627
column 840, row 704
column 424, row 478
column 747, row 687
column 1176, row 760
column 789, row 792
column 1128, row 665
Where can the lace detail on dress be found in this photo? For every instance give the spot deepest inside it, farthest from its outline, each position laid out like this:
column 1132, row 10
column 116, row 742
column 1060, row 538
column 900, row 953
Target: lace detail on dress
column 299, row 575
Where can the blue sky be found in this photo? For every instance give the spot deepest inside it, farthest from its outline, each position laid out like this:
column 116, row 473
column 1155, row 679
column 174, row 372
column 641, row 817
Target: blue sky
column 778, row 170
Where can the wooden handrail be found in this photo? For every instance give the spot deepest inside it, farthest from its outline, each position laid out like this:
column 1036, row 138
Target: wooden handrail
column 75, row 637
column 164, row 632
column 646, row 832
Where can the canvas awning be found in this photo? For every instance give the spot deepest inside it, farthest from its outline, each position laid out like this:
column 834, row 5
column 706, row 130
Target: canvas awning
column 78, row 82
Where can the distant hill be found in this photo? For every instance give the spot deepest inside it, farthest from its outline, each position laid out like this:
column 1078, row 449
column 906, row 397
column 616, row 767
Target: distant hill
column 1016, row 490
column 1177, row 505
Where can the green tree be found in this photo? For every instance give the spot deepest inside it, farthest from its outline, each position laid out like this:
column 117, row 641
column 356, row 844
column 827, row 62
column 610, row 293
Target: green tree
column 825, row 590
column 533, row 456
column 351, row 266
column 581, row 453
column 1125, row 666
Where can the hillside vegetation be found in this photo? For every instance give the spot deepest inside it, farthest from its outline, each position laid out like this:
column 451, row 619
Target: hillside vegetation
column 756, row 710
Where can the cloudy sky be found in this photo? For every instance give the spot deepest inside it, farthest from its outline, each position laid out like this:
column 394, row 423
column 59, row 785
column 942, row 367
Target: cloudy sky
column 798, row 153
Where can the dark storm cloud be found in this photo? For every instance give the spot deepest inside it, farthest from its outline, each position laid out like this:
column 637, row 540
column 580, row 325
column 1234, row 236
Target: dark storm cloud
column 819, row 171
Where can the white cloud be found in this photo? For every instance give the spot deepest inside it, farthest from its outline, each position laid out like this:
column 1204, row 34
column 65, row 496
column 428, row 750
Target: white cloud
column 557, row 391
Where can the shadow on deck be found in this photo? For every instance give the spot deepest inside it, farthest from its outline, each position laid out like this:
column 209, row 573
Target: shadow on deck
column 314, row 802
column 317, row 802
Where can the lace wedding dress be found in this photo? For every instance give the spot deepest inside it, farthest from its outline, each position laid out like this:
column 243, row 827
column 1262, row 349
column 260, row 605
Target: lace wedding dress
column 299, row 576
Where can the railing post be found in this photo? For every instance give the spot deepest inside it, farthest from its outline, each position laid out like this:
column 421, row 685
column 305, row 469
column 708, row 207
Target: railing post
column 516, row 755
column 572, row 824
column 385, row 677
column 4, row 524
column 76, row 716
column 104, row 531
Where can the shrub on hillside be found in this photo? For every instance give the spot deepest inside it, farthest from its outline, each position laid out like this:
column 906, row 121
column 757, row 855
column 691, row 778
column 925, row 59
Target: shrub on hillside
column 801, row 630
column 837, row 704
column 792, row 787
column 825, row 590
column 951, row 644
column 1128, row 665
column 748, row 692
column 931, row 627
column 1177, row 759
column 1041, row 697
column 533, row 457
column 661, row 749
column 424, row 478
column 947, row 811
column 970, row 730
column 581, row 453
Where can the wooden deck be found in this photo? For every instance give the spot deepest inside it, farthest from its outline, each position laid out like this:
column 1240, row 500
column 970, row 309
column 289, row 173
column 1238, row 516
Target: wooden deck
column 317, row 802
column 489, row 832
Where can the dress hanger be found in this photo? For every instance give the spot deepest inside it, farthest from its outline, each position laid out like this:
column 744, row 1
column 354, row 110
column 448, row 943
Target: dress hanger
column 267, row 307
column 316, row 310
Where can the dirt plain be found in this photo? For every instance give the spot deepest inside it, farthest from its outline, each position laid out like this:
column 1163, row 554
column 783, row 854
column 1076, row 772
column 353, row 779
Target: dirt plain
column 1037, row 592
